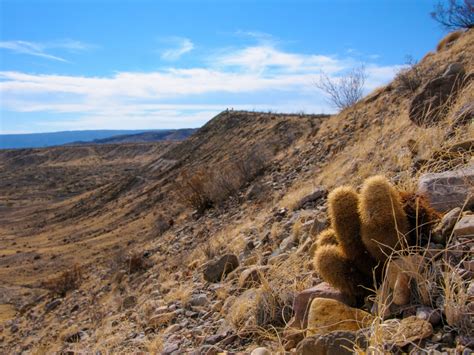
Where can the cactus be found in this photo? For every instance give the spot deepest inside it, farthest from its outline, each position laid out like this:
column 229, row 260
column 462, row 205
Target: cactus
column 384, row 223
column 365, row 229
column 336, row 269
column 326, row 237
column 343, row 211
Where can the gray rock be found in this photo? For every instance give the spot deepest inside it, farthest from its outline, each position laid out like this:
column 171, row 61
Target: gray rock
column 465, row 227
column 215, row 271
column 312, row 198
column 334, row 343
column 260, row 351
column 52, row 305
column 449, row 189
column 199, row 300
column 445, row 227
column 429, row 106
column 429, row 314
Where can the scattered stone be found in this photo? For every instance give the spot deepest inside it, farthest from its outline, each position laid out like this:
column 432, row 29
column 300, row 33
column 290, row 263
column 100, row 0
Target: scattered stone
column 429, row 106
column 429, row 314
column 52, row 305
column 170, row 347
column 74, row 337
column 252, row 277
column 311, row 199
column 260, row 351
column 303, row 300
column 162, row 319
column 443, row 230
column 318, row 226
column 465, row 227
column 449, row 189
column 326, row 315
column 408, row 330
column 199, row 300
column 215, row 271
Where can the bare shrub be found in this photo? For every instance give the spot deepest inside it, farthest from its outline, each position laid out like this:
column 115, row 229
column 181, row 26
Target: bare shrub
column 207, row 187
column 192, row 189
column 136, row 262
column 455, row 14
column 68, row 280
column 346, row 90
column 409, row 77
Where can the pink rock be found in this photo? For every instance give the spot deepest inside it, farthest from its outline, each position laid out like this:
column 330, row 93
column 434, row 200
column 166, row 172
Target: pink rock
column 303, row 301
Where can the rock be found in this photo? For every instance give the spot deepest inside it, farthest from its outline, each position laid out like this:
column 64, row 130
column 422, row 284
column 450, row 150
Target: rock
column 129, row 302
column 260, row 351
column 429, row 314
column 252, row 277
column 311, row 198
column 215, row 271
column 199, row 300
column 449, row 189
column 303, row 300
column 170, row 347
column 401, row 290
column 443, row 230
column 465, row 227
column 326, row 315
column 74, row 337
column 288, row 243
column 160, row 320
column 52, row 305
column 402, row 332
column 333, row 343
column 429, row 106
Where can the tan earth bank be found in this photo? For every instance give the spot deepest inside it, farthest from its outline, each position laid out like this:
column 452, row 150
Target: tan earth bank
column 206, row 245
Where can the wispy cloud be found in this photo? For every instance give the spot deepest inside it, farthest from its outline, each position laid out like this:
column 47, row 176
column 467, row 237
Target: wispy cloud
column 41, row 49
column 257, row 77
column 180, row 46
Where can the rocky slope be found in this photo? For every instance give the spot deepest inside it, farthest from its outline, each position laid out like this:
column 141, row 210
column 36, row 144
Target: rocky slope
column 156, row 277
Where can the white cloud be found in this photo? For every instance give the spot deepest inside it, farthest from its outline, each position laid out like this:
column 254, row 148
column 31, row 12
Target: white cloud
column 181, row 46
column 257, row 77
column 40, row 49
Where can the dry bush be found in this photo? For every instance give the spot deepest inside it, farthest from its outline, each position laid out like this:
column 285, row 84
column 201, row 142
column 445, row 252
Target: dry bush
column 136, row 262
column 410, row 77
column 208, row 187
column 67, row 281
column 346, row 90
column 456, row 14
column 193, row 190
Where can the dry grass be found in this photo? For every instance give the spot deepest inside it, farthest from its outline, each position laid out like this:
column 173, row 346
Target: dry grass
column 448, row 40
column 181, row 293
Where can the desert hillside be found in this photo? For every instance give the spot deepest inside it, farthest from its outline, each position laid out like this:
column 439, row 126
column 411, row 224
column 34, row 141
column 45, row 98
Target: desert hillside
column 206, row 245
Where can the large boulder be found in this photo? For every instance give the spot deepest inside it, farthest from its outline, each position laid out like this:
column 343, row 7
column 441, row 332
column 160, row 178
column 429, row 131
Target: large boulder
column 449, row 189
column 431, row 105
column 327, row 315
column 215, row 271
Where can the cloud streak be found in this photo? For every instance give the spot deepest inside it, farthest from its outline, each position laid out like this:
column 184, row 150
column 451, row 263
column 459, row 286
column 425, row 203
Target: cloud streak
column 182, row 46
column 38, row 49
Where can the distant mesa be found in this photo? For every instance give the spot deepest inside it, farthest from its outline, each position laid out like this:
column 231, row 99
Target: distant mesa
column 37, row 140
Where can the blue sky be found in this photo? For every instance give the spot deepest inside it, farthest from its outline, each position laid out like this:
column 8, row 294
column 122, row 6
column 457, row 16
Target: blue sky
column 71, row 64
